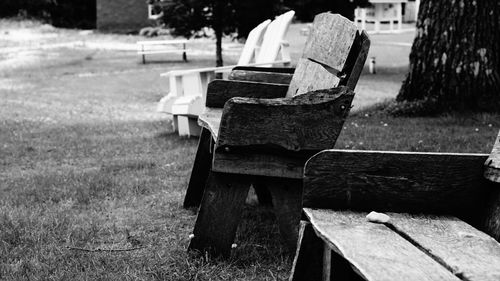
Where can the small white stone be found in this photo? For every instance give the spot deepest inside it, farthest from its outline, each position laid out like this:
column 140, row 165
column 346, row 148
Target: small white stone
column 377, row 217
column 191, row 236
column 234, row 245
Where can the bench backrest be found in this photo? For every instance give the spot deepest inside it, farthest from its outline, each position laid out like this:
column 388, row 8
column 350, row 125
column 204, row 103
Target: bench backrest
column 334, row 55
column 389, row 181
column 273, row 38
column 254, row 39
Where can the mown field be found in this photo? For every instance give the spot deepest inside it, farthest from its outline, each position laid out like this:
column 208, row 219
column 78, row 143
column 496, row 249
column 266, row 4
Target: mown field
column 92, row 179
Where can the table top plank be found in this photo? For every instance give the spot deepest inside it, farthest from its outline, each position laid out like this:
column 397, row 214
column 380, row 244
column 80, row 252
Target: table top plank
column 163, row 42
column 469, row 253
column 374, row 250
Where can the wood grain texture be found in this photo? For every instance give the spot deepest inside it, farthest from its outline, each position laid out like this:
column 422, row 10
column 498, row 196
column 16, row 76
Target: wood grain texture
column 261, row 76
column 286, row 196
column 469, row 253
column 307, row 263
column 492, row 221
column 210, row 119
column 289, row 70
column 261, row 164
column 374, row 251
column 219, row 214
column 398, row 181
column 311, row 121
column 200, row 171
column 356, row 61
column 492, row 164
column 220, row 91
column 311, row 76
column 330, row 40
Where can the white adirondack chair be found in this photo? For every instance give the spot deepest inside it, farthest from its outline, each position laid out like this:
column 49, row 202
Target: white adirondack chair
column 186, row 98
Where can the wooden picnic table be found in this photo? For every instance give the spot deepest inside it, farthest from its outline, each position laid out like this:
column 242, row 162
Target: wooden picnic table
column 162, row 47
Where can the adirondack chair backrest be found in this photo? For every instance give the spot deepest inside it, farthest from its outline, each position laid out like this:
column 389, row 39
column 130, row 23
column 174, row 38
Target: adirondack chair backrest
column 273, row 38
column 253, row 40
column 333, row 50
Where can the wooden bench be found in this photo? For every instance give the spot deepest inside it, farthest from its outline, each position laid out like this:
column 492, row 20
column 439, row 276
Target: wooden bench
column 261, row 134
column 444, row 217
column 159, row 47
column 265, row 46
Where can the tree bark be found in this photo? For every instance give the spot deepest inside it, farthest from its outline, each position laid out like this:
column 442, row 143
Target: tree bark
column 455, row 61
column 219, row 29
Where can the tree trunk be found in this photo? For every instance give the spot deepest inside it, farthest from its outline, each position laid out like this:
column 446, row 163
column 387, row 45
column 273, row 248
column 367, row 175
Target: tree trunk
column 219, row 29
column 218, row 48
column 455, row 61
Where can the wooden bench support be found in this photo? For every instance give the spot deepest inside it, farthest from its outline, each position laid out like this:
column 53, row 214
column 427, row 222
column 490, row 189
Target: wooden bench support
column 307, row 264
column 492, row 173
column 220, row 213
column 287, row 202
column 201, row 168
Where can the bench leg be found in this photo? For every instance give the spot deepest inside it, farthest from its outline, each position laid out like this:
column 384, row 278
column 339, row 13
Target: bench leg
column 199, row 172
column 308, row 261
column 184, row 55
column 287, row 202
column 220, row 213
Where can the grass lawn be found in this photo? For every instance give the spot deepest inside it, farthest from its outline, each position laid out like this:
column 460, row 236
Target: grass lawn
column 86, row 164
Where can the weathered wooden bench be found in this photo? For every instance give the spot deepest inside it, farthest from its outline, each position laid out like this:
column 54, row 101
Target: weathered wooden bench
column 261, row 134
column 160, row 47
column 441, row 210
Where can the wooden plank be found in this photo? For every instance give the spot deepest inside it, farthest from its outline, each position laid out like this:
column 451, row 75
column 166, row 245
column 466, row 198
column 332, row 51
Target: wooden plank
column 356, row 61
column 398, row 181
column 373, row 250
column 287, row 203
column 492, row 164
column 220, row 91
column 469, row 253
column 219, row 214
column 310, row 76
column 163, row 42
column 210, row 119
column 492, row 173
column 492, row 220
column 289, row 70
column 153, row 52
column 310, row 121
column 261, row 76
column 307, row 264
column 261, row 164
column 330, row 40
column 200, row 171
column 327, row 262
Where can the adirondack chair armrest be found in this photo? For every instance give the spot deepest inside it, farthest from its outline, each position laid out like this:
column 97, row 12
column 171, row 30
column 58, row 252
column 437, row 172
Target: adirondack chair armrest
column 219, row 91
column 307, row 122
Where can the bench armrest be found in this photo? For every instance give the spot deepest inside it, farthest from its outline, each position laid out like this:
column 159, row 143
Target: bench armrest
column 280, row 75
column 220, row 91
column 311, row 121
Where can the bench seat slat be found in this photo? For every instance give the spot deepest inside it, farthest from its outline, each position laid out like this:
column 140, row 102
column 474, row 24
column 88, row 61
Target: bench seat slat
column 374, row 251
column 469, row 252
